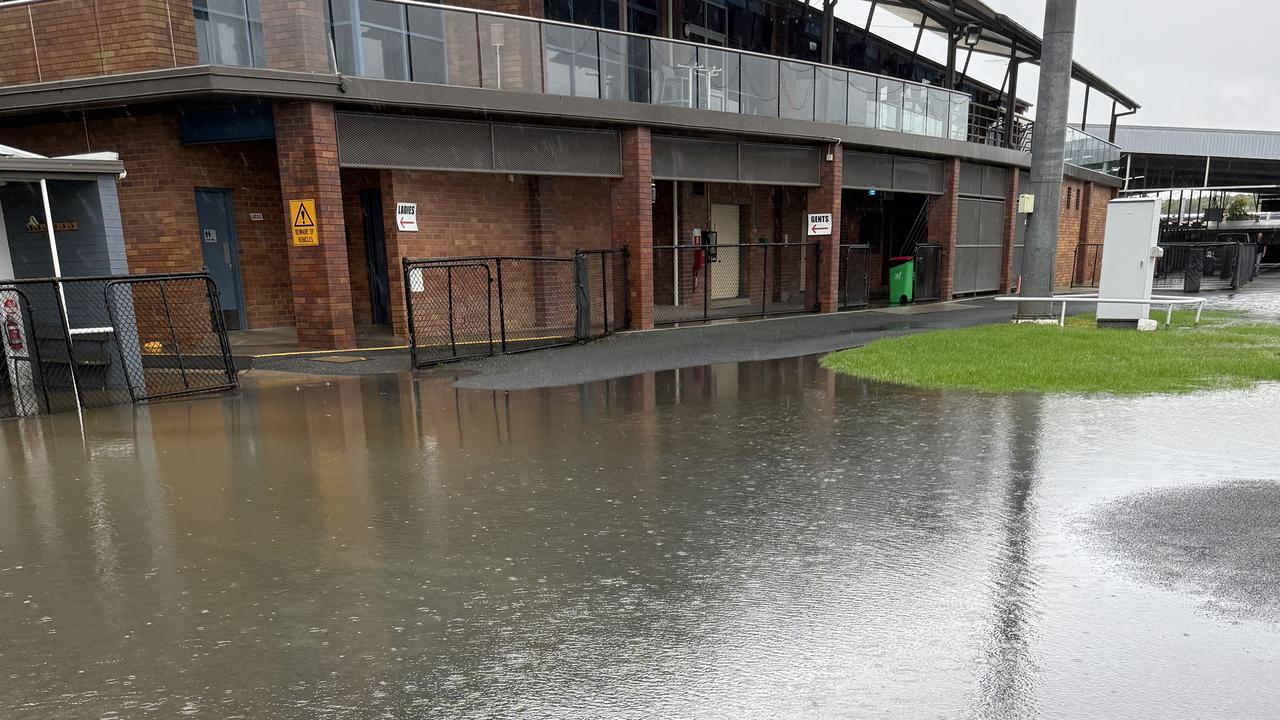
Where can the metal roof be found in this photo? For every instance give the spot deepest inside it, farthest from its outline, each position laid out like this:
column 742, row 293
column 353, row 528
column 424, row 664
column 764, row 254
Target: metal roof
column 1001, row 35
column 1196, row 142
column 20, row 163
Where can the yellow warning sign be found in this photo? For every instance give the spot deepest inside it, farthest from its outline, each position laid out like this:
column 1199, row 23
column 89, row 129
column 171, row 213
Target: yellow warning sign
column 305, row 230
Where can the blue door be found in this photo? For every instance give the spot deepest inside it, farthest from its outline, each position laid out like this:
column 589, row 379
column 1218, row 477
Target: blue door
column 221, row 251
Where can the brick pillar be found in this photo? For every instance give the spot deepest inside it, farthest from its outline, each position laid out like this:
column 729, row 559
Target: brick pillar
column 826, row 199
column 944, row 213
column 295, row 35
column 632, row 222
column 307, row 146
column 1010, row 231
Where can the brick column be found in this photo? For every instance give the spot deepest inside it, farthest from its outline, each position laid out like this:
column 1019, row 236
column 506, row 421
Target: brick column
column 632, row 222
column 944, row 213
column 295, row 35
column 1010, row 231
column 826, row 199
column 307, row 146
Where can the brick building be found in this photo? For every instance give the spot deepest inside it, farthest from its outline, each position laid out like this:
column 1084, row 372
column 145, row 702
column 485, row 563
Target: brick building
column 536, row 128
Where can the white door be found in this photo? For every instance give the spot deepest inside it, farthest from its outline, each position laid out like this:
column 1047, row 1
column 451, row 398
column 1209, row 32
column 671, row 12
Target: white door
column 726, row 271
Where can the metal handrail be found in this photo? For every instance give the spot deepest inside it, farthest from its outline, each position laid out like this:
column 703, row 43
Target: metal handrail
column 1169, row 300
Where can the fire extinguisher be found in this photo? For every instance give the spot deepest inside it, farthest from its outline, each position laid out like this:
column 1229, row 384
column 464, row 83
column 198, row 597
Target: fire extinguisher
column 13, row 333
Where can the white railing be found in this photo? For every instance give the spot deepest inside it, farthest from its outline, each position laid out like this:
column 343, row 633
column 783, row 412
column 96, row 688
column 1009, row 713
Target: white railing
column 1169, row 300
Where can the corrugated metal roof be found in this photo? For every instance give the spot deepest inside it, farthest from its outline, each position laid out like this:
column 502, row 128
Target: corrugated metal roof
column 1195, row 142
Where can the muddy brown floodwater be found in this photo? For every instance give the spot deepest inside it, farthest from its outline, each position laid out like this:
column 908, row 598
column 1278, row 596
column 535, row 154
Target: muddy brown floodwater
column 757, row 540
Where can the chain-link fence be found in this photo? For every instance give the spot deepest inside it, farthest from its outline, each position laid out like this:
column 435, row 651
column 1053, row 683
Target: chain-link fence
column 92, row 342
column 467, row 307
column 695, row 283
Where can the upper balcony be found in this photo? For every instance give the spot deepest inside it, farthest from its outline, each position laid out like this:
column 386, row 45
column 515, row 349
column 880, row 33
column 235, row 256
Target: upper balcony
column 411, row 41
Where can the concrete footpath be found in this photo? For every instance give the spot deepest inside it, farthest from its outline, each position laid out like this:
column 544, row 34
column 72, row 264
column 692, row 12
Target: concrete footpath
column 632, row 353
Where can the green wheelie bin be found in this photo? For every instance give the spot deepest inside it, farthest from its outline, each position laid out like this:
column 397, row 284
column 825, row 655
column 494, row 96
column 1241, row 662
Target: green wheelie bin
column 902, row 280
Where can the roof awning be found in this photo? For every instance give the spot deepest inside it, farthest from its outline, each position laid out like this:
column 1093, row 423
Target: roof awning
column 15, row 162
column 1001, row 35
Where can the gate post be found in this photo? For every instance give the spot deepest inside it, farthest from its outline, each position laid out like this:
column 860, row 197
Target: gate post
column 581, row 299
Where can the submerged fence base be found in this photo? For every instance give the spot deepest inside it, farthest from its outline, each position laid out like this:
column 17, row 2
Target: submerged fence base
column 75, row 343
column 466, row 307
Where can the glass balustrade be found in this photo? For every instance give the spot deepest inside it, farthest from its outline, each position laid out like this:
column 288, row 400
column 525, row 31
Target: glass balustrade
column 453, row 46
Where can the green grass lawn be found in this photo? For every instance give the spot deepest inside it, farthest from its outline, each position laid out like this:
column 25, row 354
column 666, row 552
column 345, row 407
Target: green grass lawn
column 1226, row 351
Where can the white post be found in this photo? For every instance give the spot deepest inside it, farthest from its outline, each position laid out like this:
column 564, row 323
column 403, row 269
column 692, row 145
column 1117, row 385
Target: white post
column 57, row 273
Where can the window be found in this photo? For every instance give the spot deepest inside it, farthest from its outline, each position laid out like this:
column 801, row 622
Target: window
column 706, row 21
column 596, row 13
column 642, row 17
column 229, row 32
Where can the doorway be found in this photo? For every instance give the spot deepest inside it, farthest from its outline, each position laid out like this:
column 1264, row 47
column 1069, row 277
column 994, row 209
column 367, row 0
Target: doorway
column 221, row 250
column 726, row 269
column 375, row 248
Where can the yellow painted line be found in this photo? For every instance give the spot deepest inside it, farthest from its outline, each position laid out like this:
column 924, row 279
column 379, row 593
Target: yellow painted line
column 496, row 341
column 297, row 353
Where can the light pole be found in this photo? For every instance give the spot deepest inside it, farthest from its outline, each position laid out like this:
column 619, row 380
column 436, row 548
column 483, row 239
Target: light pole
column 1048, row 142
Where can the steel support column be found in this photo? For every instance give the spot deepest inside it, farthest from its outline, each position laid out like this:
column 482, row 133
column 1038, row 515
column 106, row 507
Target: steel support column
column 1047, row 156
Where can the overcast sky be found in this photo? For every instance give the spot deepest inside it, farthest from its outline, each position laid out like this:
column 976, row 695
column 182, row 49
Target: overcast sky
column 1212, row 64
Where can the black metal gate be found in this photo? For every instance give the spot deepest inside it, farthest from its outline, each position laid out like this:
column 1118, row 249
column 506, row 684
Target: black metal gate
column 927, row 285
column 97, row 341
column 709, row 281
column 855, row 276
column 466, row 307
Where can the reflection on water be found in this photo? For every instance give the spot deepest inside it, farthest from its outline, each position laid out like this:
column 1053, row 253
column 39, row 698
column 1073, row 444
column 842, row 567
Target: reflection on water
column 754, row 540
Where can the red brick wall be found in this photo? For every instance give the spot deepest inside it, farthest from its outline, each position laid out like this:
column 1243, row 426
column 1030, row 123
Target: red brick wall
column 307, row 149
column 631, row 216
column 943, row 218
column 157, row 199
column 83, row 38
column 1010, row 227
column 826, row 198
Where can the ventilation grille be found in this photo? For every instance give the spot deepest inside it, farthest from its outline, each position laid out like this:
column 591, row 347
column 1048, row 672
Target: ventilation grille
column 410, row 143
column 677, row 158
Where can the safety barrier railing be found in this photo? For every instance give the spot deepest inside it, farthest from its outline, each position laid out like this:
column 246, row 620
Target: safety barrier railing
column 1166, row 301
column 696, row 283
column 426, row 42
column 466, row 307
column 73, row 343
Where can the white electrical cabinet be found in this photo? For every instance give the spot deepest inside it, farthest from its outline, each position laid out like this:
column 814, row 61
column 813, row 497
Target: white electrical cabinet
column 1129, row 254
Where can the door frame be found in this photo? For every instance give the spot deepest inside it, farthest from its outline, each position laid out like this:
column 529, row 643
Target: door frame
column 238, row 279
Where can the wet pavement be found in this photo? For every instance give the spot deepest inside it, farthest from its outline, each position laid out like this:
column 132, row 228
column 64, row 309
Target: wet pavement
column 754, row 540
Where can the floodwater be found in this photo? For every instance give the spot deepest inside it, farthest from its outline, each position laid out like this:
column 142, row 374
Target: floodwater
column 760, row 540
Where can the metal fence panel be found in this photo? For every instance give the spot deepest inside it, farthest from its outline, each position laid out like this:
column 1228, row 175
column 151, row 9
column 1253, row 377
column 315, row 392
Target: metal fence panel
column 695, row 283
column 1087, row 266
column 928, row 280
column 466, row 307
column 855, row 276
column 170, row 335
column 98, row 341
